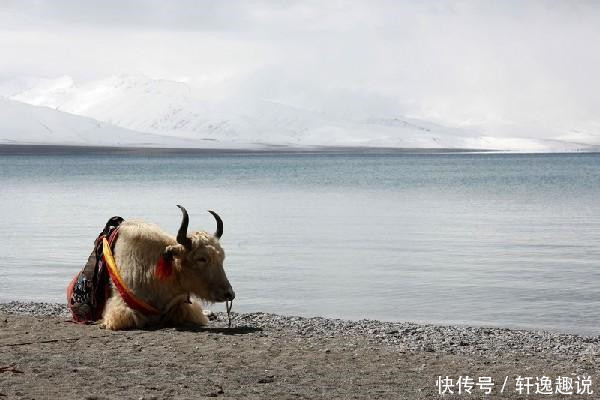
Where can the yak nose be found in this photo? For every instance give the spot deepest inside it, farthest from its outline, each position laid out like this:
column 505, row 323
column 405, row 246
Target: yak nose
column 229, row 294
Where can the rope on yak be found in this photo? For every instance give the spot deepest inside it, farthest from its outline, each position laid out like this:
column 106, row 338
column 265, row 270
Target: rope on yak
column 228, row 305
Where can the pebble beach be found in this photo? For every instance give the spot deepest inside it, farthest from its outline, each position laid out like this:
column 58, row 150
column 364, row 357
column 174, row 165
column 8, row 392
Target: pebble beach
column 44, row 355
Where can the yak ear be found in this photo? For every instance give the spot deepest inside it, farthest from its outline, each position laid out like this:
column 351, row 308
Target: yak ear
column 175, row 250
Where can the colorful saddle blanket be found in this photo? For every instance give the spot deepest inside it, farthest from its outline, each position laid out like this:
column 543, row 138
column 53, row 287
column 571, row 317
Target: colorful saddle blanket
column 88, row 291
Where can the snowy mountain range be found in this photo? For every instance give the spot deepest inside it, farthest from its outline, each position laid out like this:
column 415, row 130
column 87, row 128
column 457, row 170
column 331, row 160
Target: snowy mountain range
column 22, row 123
column 137, row 111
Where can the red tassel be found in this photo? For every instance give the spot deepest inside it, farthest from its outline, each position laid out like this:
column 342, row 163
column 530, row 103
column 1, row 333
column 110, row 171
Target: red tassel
column 164, row 268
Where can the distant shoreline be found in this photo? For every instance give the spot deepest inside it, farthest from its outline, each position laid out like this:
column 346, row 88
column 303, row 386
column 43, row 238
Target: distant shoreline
column 32, row 149
column 51, row 149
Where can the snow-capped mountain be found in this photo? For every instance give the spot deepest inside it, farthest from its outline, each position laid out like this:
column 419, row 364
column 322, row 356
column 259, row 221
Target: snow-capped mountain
column 169, row 108
column 182, row 114
column 26, row 124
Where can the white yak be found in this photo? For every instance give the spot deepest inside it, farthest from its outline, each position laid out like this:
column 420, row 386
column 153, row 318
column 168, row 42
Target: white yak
column 194, row 269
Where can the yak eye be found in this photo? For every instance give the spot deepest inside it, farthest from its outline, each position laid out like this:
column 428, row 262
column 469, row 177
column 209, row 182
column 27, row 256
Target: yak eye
column 202, row 259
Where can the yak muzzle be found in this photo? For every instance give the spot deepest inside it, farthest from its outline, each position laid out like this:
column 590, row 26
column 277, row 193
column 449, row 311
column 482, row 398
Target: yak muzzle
column 227, row 295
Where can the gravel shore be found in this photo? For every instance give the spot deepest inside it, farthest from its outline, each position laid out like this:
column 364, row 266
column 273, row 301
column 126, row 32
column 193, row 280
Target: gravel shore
column 267, row 355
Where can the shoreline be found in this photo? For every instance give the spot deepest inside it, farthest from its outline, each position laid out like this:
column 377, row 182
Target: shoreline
column 22, row 149
column 266, row 149
column 44, row 355
column 452, row 338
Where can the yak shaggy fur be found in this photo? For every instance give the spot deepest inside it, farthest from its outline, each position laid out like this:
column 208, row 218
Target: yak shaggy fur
column 196, row 270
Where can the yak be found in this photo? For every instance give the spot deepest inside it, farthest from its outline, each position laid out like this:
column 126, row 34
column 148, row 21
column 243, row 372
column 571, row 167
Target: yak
column 195, row 272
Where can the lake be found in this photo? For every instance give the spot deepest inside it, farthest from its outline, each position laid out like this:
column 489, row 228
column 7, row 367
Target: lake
column 508, row 240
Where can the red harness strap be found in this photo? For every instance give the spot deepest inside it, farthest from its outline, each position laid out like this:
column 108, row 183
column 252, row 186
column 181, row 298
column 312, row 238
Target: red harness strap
column 127, row 295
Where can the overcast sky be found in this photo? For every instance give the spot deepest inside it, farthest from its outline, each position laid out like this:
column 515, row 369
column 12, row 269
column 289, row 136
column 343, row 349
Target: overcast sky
column 530, row 65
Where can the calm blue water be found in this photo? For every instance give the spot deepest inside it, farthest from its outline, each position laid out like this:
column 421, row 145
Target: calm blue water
column 484, row 239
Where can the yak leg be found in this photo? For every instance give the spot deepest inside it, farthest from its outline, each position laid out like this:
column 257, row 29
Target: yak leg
column 117, row 315
column 185, row 313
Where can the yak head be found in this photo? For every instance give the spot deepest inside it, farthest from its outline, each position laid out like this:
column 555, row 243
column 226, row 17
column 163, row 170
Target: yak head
column 201, row 258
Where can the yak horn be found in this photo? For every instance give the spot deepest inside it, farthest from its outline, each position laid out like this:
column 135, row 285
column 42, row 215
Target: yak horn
column 182, row 233
column 219, row 231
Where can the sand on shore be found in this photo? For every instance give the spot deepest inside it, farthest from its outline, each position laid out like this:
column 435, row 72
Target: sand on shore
column 44, row 355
